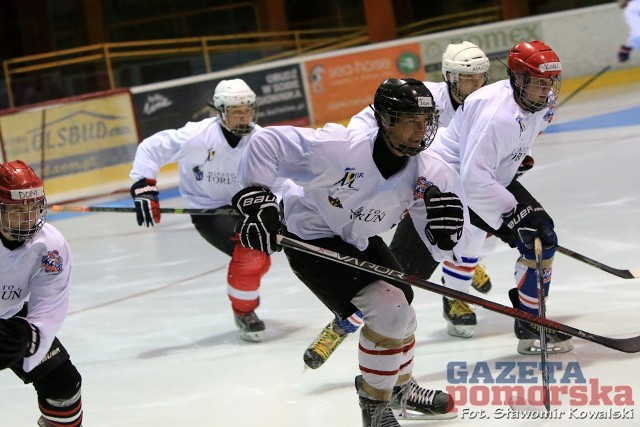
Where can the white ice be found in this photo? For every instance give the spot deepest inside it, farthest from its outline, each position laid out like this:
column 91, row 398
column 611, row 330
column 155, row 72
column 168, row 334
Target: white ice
column 150, row 326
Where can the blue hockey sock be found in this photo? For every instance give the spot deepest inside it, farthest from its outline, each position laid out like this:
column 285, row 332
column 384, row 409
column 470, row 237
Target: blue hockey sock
column 351, row 323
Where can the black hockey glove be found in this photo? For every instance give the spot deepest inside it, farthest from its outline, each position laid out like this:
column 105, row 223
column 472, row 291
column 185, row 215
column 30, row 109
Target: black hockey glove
column 528, row 221
column 18, row 339
column 261, row 223
column 444, row 218
column 145, row 196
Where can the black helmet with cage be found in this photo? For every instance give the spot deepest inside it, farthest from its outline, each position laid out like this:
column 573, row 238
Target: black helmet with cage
column 406, row 114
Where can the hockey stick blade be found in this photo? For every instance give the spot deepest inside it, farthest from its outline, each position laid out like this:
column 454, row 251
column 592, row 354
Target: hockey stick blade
column 633, row 273
column 219, row 211
column 627, row 345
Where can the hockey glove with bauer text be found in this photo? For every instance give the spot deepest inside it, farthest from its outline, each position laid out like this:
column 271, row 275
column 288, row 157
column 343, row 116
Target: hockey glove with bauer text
column 18, row 339
column 528, row 221
column 145, row 196
column 444, row 218
column 261, row 223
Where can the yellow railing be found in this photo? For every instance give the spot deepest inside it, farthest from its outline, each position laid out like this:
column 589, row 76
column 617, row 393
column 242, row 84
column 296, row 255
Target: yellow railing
column 268, row 44
column 446, row 22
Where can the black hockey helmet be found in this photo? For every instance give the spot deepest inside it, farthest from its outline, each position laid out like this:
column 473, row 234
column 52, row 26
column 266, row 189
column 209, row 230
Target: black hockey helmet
column 409, row 103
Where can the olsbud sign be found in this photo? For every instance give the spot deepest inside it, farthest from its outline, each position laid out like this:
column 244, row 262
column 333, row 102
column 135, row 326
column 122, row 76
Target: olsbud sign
column 513, row 387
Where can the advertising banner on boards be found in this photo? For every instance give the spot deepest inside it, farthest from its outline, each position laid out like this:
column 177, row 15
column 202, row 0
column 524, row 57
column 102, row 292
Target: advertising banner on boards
column 279, row 91
column 341, row 86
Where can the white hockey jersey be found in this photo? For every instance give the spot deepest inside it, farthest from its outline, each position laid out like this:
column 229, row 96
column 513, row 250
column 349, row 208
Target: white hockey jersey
column 337, row 188
column 38, row 272
column 486, row 141
column 366, row 120
column 207, row 163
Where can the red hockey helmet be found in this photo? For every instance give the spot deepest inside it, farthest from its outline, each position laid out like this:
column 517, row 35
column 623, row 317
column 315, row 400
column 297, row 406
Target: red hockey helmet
column 535, row 59
column 23, row 205
column 534, row 71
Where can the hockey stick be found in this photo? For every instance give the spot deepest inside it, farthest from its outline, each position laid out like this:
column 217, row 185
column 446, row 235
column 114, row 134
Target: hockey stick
column 583, row 85
column 219, row 211
column 627, row 345
column 544, row 356
column 633, row 273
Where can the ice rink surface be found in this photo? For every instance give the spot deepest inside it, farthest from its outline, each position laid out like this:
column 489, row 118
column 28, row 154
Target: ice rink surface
column 151, row 331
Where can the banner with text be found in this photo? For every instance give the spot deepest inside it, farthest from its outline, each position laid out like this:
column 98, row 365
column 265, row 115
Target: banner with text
column 343, row 85
column 81, row 141
column 279, row 91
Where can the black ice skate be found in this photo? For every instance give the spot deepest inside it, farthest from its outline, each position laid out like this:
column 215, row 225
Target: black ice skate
column 412, row 402
column 375, row 413
column 251, row 327
column 323, row 346
column 528, row 334
column 481, row 281
column 460, row 317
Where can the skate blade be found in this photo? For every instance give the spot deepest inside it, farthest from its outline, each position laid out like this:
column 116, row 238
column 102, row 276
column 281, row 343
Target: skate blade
column 532, row 347
column 460, row 331
column 416, row 415
column 255, row 336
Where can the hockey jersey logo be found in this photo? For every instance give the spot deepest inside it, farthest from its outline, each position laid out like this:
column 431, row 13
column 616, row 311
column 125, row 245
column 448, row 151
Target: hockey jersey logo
column 548, row 116
column 349, row 178
column 52, row 262
column 367, row 215
column 421, row 187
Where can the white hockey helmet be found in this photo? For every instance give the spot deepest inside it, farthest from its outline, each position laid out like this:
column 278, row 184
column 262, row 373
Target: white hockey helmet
column 234, row 93
column 463, row 58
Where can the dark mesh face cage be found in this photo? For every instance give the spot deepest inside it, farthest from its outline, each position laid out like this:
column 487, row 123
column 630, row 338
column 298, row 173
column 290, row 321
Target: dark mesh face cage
column 455, row 80
column 23, row 221
column 241, row 129
column 411, row 123
column 535, row 93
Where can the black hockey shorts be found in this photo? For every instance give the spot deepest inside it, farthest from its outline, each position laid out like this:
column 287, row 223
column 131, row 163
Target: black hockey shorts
column 218, row 230
column 336, row 284
column 55, row 357
column 411, row 252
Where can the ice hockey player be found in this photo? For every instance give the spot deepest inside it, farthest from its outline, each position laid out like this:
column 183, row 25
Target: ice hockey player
column 36, row 277
column 487, row 141
column 348, row 187
column 208, row 153
column 465, row 68
column 632, row 18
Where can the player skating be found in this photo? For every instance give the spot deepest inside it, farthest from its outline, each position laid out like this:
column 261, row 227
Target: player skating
column 632, row 18
column 465, row 68
column 348, row 187
column 36, row 276
column 487, row 141
column 208, row 153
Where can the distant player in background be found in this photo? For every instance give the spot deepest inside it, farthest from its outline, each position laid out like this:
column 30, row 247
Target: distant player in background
column 465, row 68
column 348, row 186
column 36, row 277
column 208, row 153
column 632, row 18
column 487, row 141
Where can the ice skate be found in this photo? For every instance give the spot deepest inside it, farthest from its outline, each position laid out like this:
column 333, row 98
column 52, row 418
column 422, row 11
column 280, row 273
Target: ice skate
column 251, row 327
column 528, row 334
column 481, row 281
column 460, row 317
column 412, row 402
column 319, row 351
column 375, row 413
